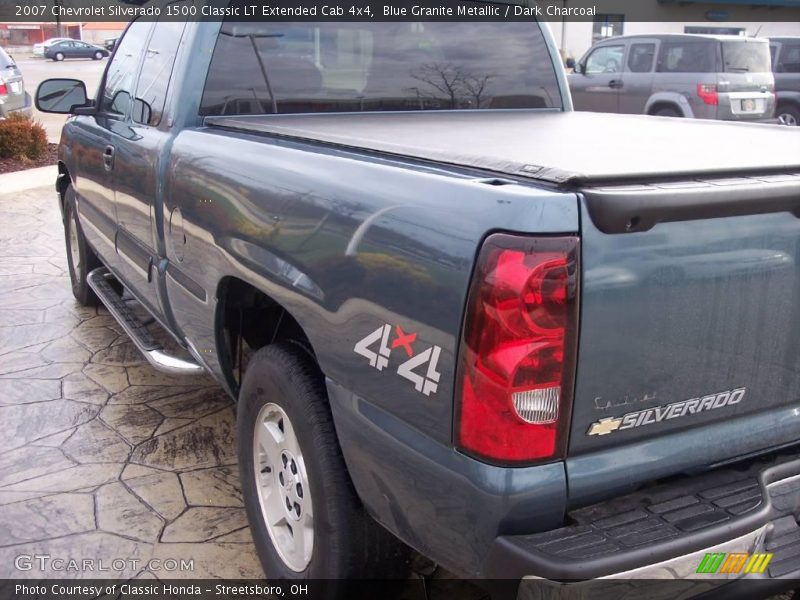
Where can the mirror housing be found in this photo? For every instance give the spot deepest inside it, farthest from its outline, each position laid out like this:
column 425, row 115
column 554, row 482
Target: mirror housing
column 571, row 64
column 63, row 97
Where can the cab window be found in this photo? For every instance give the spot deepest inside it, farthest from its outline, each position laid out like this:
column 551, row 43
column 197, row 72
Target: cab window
column 151, row 90
column 641, row 58
column 117, row 95
column 607, row 59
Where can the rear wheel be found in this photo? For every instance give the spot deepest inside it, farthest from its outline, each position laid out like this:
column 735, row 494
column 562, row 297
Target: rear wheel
column 305, row 517
column 98, row 55
column 81, row 259
column 59, row 56
column 667, row 112
column 788, row 115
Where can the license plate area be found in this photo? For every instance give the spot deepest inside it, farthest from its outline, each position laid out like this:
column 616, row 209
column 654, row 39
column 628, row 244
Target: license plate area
column 15, row 87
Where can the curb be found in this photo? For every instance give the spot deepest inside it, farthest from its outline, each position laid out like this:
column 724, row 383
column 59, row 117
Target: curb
column 20, row 181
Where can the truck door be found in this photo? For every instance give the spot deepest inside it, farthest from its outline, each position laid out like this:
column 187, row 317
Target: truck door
column 597, row 87
column 139, row 165
column 637, row 79
column 98, row 136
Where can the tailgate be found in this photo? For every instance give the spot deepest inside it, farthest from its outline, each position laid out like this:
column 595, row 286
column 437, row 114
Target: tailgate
column 690, row 310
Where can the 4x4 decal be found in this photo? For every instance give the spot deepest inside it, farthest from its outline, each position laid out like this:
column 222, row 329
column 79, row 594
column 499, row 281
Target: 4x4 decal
column 425, row 379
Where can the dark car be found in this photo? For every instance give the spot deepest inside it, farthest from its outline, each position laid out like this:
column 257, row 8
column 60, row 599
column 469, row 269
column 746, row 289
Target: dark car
column 13, row 97
column 786, row 65
column 75, row 49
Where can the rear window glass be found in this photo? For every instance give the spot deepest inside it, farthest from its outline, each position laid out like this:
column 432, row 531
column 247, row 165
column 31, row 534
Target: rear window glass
column 687, row 56
column 261, row 68
column 746, row 57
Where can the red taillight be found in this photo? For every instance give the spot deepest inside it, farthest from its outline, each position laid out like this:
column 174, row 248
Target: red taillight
column 517, row 351
column 3, row 89
column 708, row 93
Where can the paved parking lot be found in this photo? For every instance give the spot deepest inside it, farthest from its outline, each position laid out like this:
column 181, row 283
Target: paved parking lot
column 100, row 455
column 36, row 70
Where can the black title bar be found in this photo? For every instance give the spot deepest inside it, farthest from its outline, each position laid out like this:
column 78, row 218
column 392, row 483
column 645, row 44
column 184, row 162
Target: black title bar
column 554, row 11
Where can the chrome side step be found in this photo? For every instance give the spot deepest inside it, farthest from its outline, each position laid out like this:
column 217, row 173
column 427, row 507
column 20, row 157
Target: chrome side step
column 136, row 330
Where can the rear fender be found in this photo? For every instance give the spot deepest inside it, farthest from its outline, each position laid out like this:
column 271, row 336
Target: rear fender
column 677, row 100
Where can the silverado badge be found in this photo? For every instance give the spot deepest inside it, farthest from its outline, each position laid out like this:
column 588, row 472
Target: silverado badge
column 657, row 414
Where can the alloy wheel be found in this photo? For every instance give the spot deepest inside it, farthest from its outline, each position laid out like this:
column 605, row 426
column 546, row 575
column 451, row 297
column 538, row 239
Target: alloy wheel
column 284, row 494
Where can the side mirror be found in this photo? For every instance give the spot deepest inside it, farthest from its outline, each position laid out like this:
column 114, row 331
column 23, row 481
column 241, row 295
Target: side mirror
column 61, row 96
column 571, row 64
column 580, row 68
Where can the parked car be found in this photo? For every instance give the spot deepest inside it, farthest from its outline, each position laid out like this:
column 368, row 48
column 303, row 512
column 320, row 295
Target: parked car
column 39, row 49
column 110, row 43
column 388, row 276
column 75, row 49
column 677, row 75
column 786, row 65
column 13, row 97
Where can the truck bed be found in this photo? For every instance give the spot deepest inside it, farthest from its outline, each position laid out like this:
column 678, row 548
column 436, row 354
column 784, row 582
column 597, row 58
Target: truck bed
column 565, row 148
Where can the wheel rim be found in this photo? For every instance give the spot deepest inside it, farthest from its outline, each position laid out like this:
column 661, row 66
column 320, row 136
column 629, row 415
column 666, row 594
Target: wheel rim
column 74, row 250
column 284, row 495
column 788, row 119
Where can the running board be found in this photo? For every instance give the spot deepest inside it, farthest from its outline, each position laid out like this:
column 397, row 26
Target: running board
column 136, row 330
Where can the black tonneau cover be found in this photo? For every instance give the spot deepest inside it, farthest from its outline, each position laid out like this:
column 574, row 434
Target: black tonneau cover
column 565, row 148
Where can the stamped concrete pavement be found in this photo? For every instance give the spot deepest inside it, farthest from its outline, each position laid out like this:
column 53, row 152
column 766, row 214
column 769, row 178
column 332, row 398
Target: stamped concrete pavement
column 102, row 457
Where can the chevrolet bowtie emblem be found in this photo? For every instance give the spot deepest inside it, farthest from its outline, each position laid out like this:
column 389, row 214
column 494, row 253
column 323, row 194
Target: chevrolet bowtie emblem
column 604, row 426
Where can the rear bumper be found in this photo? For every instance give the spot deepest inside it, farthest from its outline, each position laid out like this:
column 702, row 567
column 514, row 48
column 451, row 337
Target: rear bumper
column 666, row 531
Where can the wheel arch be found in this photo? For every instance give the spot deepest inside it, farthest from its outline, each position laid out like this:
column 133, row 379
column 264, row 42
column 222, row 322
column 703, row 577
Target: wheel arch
column 63, row 181
column 248, row 319
column 669, row 100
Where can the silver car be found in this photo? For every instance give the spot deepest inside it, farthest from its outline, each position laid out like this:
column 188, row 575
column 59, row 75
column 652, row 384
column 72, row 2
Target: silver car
column 677, row 75
column 13, row 97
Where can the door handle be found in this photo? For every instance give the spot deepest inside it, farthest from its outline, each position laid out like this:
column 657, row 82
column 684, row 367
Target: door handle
column 615, row 84
column 108, row 158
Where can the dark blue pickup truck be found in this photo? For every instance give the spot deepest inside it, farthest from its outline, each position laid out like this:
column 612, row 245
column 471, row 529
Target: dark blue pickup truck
column 456, row 316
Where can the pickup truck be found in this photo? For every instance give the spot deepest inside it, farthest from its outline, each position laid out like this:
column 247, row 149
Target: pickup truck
column 456, row 316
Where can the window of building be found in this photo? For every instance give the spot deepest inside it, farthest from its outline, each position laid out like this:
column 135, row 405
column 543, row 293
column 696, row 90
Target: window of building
column 714, row 30
column 606, row 26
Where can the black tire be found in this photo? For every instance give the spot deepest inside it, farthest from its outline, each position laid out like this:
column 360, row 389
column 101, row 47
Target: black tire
column 98, row 55
column 58, row 57
column 667, row 112
column 788, row 114
column 87, row 258
column 347, row 543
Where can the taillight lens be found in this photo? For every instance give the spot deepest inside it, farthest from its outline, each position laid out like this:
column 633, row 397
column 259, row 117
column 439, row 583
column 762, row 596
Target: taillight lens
column 708, row 93
column 3, row 89
column 517, row 354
